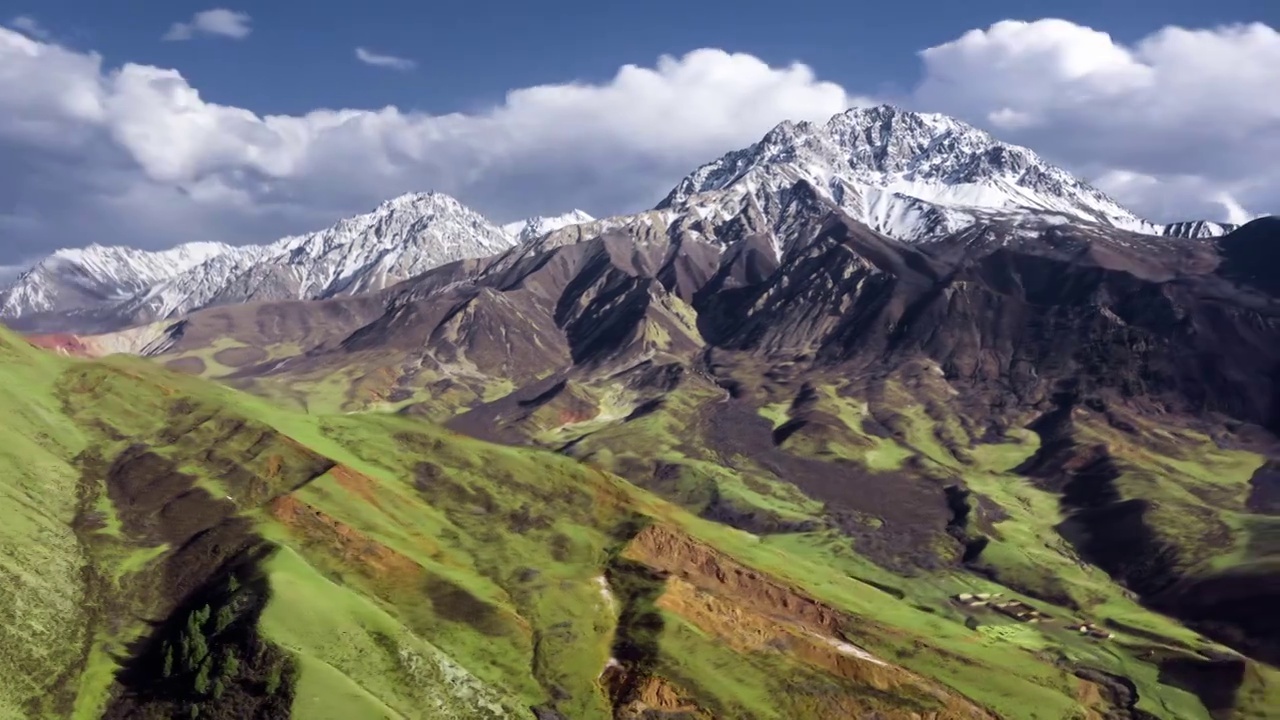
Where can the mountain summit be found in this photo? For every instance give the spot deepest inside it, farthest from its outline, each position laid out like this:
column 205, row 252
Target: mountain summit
column 106, row 288
column 536, row 227
column 909, row 175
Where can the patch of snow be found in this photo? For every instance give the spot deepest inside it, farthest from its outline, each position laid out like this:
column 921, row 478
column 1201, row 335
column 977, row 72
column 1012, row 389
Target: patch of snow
column 612, row 662
column 849, row 649
column 536, row 227
column 606, row 594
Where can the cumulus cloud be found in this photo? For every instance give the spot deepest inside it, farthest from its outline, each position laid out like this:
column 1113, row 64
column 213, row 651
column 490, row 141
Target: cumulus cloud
column 29, row 26
column 385, row 61
column 152, row 163
column 1171, row 124
column 218, row 21
column 1175, row 197
column 1180, row 124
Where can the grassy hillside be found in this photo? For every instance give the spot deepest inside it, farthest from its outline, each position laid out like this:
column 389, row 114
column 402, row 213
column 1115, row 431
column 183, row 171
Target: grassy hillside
column 175, row 548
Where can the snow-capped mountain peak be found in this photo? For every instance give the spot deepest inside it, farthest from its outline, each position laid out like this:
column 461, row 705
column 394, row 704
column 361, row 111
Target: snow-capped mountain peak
column 403, row 237
column 414, row 218
column 909, row 175
column 536, row 227
column 76, row 277
column 103, row 256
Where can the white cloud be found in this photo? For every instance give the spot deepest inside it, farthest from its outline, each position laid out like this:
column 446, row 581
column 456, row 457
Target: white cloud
column 1174, row 196
column 1181, row 124
column 1194, row 110
column 386, row 61
column 165, row 165
column 1235, row 212
column 218, row 21
column 29, row 26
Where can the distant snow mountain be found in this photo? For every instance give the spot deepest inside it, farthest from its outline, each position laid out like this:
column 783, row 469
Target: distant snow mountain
column 75, row 279
column 113, row 287
column 403, row 237
column 538, row 226
column 1196, row 229
column 912, row 176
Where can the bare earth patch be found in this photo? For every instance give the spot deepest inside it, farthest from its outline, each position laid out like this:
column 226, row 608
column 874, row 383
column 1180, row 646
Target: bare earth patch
column 187, row 365
column 240, row 356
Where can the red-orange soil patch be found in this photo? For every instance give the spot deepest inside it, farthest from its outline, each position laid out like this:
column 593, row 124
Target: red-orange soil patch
column 343, row 542
column 357, row 483
column 63, row 343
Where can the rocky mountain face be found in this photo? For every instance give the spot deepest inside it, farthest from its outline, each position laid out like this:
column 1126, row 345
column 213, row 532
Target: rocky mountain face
column 109, row 288
column 979, row 304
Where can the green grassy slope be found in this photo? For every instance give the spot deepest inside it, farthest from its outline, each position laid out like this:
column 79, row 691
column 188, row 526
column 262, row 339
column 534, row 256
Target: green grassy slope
column 1195, row 490
column 374, row 565
column 41, row 561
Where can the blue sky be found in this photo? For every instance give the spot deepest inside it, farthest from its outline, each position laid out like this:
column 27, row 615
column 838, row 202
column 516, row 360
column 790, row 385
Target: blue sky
column 470, row 52
column 111, row 133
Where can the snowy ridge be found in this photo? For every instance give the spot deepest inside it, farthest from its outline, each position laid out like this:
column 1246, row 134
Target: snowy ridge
column 74, row 279
column 536, row 227
column 403, row 237
column 1197, row 229
column 912, row 176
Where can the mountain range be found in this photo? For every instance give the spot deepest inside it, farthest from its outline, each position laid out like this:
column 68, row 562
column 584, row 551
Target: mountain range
column 912, row 176
column 876, row 418
column 109, row 288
